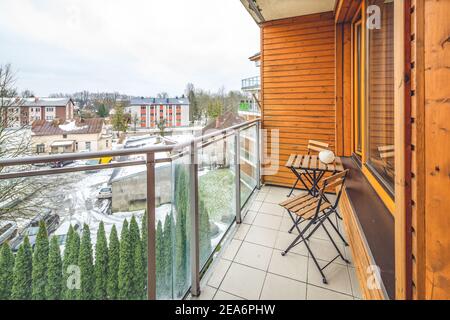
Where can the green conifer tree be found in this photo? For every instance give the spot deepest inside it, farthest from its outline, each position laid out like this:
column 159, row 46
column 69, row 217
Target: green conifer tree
column 40, row 261
column 205, row 234
column 71, row 253
column 135, row 238
column 181, row 245
column 101, row 264
column 21, row 289
column 160, row 261
column 139, row 273
column 53, row 288
column 85, row 262
column 144, row 239
column 6, row 272
column 113, row 265
column 126, row 264
column 168, row 260
column 67, row 251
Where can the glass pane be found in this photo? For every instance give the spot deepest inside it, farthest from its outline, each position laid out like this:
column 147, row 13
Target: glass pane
column 380, row 115
column 248, row 163
column 217, row 194
column 175, row 243
column 84, row 231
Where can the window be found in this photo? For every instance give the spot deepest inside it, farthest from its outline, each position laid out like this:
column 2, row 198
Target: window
column 40, row 148
column 357, row 65
column 64, row 136
column 49, row 118
column 380, row 97
column 49, row 109
column 88, row 145
column 107, row 143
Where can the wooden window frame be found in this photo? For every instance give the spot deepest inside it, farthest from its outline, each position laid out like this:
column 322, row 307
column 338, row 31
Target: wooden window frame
column 385, row 195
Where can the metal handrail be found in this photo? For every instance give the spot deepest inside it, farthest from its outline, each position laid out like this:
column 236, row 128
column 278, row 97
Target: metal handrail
column 122, row 152
column 192, row 146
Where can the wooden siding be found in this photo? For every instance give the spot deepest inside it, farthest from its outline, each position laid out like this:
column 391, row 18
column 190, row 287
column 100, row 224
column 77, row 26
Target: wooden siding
column 361, row 257
column 298, row 86
column 437, row 148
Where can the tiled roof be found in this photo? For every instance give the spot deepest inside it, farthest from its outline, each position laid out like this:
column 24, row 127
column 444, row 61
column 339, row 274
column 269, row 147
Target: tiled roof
column 37, row 102
column 81, row 126
column 158, row 101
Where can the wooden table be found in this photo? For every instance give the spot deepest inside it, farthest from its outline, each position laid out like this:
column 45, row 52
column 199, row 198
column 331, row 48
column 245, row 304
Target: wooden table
column 312, row 170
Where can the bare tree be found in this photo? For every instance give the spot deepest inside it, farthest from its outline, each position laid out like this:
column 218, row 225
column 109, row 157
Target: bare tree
column 19, row 197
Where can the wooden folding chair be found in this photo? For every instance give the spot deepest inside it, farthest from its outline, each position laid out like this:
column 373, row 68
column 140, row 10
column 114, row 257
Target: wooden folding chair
column 314, row 147
column 315, row 211
column 386, row 153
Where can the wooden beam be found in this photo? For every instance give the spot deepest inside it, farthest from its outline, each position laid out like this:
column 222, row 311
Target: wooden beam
column 418, row 154
column 437, row 149
column 347, row 90
column 339, row 90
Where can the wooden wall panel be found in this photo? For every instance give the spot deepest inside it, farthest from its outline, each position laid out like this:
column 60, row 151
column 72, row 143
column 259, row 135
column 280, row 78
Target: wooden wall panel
column 298, row 85
column 437, row 148
column 361, row 257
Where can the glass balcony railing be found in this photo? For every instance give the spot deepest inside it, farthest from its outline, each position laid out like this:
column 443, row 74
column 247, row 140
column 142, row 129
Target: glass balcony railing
column 144, row 226
column 252, row 83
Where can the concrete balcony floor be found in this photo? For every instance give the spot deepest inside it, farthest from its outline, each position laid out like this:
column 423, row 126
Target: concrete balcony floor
column 250, row 265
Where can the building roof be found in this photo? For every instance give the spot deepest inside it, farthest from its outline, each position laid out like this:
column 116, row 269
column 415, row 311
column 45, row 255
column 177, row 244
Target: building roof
column 255, row 57
column 269, row 10
column 158, row 101
column 37, row 102
column 79, row 126
column 228, row 119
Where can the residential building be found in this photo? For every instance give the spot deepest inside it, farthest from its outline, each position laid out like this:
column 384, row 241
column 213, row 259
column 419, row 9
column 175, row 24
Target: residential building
column 70, row 136
column 250, row 108
column 23, row 111
column 150, row 111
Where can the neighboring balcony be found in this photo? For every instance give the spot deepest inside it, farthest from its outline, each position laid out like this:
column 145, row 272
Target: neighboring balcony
column 251, row 84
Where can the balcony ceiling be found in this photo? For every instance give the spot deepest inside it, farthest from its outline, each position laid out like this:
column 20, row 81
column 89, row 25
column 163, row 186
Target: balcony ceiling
column 280, row 9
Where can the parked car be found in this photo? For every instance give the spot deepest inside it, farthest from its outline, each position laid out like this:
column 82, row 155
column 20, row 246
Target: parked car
column 51, row 220
column 105, row 193
column 8, row 230
column 61, row 164
column 63, row 230
column 32, row 229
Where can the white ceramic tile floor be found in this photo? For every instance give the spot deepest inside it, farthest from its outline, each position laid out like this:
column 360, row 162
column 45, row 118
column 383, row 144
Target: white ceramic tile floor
column 250, row 265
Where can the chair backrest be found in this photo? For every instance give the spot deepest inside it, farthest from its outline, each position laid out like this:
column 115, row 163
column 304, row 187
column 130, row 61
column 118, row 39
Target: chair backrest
column 386, row 152
column 316, row 146
column 336, row 181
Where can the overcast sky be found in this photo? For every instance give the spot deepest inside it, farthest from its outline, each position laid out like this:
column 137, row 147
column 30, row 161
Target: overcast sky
column 137, row 47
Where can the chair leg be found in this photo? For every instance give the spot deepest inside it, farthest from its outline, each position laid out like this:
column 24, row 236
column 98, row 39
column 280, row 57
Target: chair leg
column 337, row 231
column 335, row 245
column 324, row 279
column 293, row 188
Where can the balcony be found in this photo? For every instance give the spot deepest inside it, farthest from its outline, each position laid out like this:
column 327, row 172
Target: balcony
column 177, row 200
column 250, row 265
column 199, row 208
column 251, row 84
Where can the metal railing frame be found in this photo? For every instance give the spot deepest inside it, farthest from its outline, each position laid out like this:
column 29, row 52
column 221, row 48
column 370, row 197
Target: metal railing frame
column 150, row 163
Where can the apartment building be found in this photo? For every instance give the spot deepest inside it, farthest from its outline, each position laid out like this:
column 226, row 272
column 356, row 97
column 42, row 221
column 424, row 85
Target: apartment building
column 150, row 111
column 23, row 111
